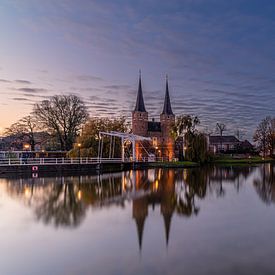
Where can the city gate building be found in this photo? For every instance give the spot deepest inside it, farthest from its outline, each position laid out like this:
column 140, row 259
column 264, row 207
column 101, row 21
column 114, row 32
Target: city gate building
column 162, row 145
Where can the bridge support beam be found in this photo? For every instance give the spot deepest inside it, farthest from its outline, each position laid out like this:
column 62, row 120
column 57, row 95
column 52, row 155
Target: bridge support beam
column 124, row 137
column 122, row 150
column 134, row 150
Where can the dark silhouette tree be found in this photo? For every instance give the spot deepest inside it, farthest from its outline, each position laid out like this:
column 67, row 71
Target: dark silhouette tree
column 63, row 116
column 220, row 127
column 264, row 136
column 89, row 138
column 24, row 129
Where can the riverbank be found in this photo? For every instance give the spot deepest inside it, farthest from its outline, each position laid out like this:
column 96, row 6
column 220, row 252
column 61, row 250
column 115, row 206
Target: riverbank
column 99, row 168
column 249, row 160
column 173, row 164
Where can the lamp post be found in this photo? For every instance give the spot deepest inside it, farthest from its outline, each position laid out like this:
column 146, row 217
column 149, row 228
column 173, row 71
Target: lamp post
column 184, row 147
column 156, row 152
column 184, row 150
column 25, row 155
column 79, row 146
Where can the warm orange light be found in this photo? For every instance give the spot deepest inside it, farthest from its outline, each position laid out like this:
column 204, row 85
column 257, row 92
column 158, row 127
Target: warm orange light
column 79, row 145
column 26, row 146
column 156, row 185
column 27, row 192
column 184, row 174
column 79, row 195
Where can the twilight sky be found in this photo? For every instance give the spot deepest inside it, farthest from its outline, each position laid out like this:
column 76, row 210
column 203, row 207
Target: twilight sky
column 219, row 55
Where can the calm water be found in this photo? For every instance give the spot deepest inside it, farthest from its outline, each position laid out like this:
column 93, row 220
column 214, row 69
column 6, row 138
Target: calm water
column 200, row 221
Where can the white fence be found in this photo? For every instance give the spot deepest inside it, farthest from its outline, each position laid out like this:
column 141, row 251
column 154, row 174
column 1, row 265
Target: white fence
column 56, row 161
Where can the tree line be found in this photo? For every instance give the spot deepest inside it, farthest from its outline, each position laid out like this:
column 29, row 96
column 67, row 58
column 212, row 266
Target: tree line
column 57, row 119
column 63, row 122
column 264, row 136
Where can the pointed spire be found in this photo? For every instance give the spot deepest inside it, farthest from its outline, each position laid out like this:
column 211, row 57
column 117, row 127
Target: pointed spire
column 167, row 223
column 140, row 212
column 140, row 107
column 140, row 228
column 167, row 109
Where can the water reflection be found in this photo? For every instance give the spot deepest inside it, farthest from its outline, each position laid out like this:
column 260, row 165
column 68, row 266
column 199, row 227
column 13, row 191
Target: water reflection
column 140, row 222
column 265, row 183
column 64, row 201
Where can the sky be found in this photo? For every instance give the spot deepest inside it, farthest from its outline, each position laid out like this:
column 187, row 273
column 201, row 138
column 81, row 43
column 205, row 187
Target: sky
column 218, row 54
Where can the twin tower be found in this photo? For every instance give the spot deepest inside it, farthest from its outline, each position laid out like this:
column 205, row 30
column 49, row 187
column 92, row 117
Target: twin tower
column 160, row 131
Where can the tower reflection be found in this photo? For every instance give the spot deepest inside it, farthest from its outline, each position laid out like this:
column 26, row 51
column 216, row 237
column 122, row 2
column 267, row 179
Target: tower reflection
column 64, row 201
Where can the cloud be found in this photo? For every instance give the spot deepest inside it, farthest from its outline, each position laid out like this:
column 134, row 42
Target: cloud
column 219, row 55
column 117, row 87
column 20, row 81
column 20, row 99
column 88, row 78
column 32, row 90
column 5, row 81
column 43, row 71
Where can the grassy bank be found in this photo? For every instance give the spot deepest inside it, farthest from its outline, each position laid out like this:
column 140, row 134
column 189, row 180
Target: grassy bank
column 231, row 160
column 174, row 164
column 224, row 160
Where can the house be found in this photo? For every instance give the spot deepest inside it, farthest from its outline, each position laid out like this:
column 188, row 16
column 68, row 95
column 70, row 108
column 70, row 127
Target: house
column 229, row 144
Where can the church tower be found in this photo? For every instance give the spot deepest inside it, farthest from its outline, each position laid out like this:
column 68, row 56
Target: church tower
column 167, row 119
column 139, row 115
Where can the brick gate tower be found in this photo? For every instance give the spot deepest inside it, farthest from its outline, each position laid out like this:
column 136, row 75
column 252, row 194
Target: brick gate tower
column 162, row 144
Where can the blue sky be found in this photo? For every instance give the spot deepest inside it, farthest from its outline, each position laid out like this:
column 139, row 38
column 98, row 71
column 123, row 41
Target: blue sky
column 219, row 56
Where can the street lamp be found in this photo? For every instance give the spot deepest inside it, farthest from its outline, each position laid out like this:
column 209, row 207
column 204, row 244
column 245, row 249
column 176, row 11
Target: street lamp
column 156, row 153
column 184, row 150
column 27, row 147
column 79, row 146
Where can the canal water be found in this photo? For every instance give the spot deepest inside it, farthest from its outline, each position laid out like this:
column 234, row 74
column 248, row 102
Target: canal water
column 218, row 220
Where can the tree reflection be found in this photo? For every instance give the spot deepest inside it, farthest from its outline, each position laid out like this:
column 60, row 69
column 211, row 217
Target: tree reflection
column 64, row 201
column 265, row 183
column 61, row 206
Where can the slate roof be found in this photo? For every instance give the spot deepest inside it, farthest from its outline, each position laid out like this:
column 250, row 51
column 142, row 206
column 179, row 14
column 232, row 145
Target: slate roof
column 140, row 107
column 167, row 109
column 246, row 144
column 223, row 139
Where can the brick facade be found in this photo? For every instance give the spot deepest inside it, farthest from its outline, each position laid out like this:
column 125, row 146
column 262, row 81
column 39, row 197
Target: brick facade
column 162, row 145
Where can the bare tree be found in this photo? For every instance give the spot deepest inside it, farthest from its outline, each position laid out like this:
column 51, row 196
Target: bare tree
column 264, row 135
column 272, row 136
column 220, row 127
column 24, row 129
column 62, row 115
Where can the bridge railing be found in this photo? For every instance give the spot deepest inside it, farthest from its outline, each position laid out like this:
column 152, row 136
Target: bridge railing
column 55, row 161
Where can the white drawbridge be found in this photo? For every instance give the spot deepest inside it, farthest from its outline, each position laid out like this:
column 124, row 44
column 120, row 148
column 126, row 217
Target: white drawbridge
column 124, row 137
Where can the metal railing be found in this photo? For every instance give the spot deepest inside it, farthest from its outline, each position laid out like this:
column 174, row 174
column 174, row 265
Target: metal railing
column 56, row 161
